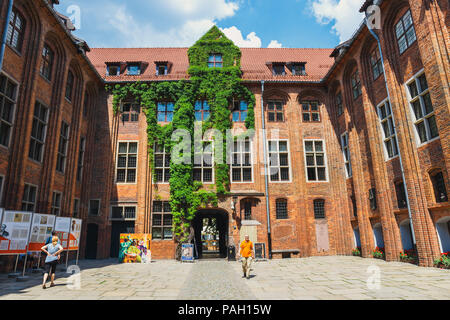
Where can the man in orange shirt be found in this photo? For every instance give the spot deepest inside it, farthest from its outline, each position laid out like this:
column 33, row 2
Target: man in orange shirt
column 247, row 255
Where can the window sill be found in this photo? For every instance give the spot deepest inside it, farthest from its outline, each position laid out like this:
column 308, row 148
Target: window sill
column 14, row 50
column 49, row 81
column 422, row 145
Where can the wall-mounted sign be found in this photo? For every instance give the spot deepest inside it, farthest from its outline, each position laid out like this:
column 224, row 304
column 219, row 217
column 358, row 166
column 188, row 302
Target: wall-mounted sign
column 15, row 231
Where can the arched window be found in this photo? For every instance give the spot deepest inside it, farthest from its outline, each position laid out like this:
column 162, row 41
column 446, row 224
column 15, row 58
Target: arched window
column 16, row 31
column 69, row 85
column 281, row 209
column 440, row 191
column 405, row 33
column 356, row 84
column 47, row 62
column 319, row 209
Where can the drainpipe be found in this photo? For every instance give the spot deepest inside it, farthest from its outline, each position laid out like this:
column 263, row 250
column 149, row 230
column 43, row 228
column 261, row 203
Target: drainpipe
column 266, row 176
column 5, row 32
column 395, row 128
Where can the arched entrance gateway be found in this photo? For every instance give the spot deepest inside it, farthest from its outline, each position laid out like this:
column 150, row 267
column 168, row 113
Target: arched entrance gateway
column 211, row 233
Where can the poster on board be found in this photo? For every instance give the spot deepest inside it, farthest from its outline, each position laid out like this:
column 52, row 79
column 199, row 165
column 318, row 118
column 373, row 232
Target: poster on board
column 62, row 229
column 15, row 231
column 135, row 248
column 187, row 252
column 41, row 229
column 74, row 235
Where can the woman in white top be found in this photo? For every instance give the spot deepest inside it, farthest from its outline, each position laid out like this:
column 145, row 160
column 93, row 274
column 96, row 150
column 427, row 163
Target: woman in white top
column 53, row 251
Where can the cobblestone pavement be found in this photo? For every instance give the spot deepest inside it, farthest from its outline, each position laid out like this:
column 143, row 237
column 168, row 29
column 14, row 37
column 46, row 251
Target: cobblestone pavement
column 215, row 280
column 306, row 278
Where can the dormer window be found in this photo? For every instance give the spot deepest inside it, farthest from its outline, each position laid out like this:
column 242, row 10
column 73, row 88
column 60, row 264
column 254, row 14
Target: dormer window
column 215, row 61
column 278, row 70
column 134, row 69
column 161, row 69
column 298, row 69
column 113, row 70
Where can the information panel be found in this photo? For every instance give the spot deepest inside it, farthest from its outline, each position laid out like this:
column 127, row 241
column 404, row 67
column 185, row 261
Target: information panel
column 15, row 231
column 187, row 252
column 41, row 230
column 75, row 233
column 62, row 229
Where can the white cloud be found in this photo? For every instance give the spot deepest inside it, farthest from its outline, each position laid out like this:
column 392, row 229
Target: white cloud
column 234, row 34
column 144, row 23
column 344, row 14
column 274, row 44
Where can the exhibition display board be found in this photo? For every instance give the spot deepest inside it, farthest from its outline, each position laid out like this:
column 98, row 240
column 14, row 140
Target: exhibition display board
column 15, row 233
column 75, row 233
column 41, row 230
column 62, row 229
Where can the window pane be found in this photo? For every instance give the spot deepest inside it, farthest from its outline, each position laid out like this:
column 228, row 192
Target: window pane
column 422, row 131
column 283, row 146
column 413, row 89
column 311, row 174
column 433, row 127
column 157, row 233
column 321, row 174
column 417, row 109
column 318, row 146
column 423, row 83
column 428, row 104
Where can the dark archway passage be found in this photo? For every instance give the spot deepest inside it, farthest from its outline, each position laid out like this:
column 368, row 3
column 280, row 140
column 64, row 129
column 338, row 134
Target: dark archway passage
column 211, row 233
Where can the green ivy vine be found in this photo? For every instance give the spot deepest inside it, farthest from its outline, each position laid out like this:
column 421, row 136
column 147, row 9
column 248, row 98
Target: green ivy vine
column 219, row 86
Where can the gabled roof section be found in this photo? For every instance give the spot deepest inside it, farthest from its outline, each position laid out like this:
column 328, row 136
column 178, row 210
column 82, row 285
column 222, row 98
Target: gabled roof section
column 253, row 63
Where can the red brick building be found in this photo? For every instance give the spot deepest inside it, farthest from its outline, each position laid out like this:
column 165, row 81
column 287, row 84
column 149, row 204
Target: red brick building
column 358, row 152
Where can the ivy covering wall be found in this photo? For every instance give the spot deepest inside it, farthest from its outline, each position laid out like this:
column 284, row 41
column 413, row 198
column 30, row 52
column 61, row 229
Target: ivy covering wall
column 219, row 86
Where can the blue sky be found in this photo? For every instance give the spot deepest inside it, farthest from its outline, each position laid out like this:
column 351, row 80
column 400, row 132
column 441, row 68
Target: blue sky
column 249, row 23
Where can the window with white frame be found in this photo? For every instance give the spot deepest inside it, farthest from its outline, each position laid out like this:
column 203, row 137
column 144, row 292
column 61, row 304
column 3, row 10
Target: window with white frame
column 123, row 212
column 38, row 132
column 76, row 208
column 127, row 162
column 29, row 198
column 346, row 152
column 405, row 33
column 94, row 207
column 56, row 203
column 81, row 158
column 7, row 101
column 203, row 163
column 388, row 129
column 162, row 164
column 279, row 164
column 241, row 168
column 316, row 167
column 62, row 148
column 422, row 108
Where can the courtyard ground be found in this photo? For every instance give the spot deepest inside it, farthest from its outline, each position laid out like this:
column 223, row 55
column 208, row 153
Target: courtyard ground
column 315, row 278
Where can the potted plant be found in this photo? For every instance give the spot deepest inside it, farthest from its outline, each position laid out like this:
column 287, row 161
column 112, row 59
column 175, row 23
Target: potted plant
column 444, row 261
column 409, row 256
column 356, row 252
column 378, row 253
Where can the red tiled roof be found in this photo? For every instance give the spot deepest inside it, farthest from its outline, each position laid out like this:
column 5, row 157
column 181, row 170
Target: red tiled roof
column 254, row 62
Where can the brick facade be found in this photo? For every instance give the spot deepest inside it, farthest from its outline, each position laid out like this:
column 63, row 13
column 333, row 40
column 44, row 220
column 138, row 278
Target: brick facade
column 299, row 234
